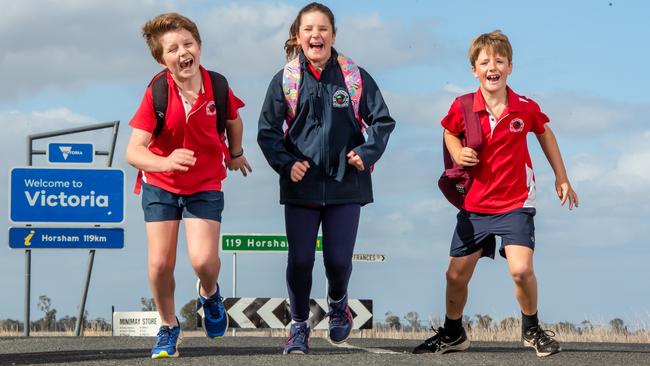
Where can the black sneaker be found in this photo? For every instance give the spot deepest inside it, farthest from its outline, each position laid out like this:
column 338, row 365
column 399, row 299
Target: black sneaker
column 541, row 340
column 441, row 343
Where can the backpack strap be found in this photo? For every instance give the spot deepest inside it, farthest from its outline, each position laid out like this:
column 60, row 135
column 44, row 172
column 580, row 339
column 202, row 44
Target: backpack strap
column 220, row 92
column 473, row 133
column 292, row 74
column 290, row 83
column 160, row 96
column 353, row 83
column 159, row 92
column 473, row 136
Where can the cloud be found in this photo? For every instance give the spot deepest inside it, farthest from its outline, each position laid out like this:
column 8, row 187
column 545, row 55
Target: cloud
column 248, row 40
column 623, row 164
column 423, row 109
column 59, row 45
column 99, row 41
column 382, row 44
column 635, row 166
column 587, row 118
column 586, row 168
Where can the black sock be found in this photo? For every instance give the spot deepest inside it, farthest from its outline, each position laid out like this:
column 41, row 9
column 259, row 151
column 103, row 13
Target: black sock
column 528, row 321
column 453, row 327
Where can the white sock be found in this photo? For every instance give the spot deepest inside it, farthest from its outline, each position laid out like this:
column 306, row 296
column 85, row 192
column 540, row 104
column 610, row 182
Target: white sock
column 332, row 301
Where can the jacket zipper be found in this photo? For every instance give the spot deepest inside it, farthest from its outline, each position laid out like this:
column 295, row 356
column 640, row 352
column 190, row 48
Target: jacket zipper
column 317, row 110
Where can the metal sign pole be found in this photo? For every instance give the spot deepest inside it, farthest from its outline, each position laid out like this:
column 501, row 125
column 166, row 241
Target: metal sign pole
column 91, row 253
column 28, row 271
column 28, row 259
column 84, row 294
column 234, row 283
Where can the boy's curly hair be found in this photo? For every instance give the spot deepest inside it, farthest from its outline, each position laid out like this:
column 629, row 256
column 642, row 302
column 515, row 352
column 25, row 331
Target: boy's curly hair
column 494, row 41
column 163, row 23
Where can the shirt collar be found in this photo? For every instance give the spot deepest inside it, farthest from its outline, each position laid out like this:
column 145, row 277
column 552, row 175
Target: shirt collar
column 333, row 58
column 513, row 101
column 204, row 76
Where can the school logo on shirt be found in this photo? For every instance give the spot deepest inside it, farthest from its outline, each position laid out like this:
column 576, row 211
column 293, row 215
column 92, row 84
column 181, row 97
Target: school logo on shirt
column 341, row 99
column 210, row 108
column 516, row 125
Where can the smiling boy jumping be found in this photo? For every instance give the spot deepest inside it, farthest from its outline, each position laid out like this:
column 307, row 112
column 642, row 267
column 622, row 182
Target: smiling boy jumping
column 501, row 200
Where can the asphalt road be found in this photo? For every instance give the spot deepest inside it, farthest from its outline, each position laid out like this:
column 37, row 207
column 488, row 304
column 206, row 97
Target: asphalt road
column 235, row 351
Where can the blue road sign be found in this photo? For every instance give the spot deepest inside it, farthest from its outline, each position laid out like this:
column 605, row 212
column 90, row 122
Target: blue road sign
column 70, row 153
column 65, row 238
column 49, row 195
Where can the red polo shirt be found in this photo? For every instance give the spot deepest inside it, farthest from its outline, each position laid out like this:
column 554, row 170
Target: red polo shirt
column 503, row 178
column 196, row 131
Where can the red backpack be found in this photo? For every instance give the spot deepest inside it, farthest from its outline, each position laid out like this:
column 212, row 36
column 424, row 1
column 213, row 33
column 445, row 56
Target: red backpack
column 455, row 181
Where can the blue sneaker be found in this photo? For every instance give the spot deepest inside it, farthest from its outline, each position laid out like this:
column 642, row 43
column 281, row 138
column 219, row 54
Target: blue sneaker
column 340, row 322
column 167, row 342
column 215, row 318
column 298, row 342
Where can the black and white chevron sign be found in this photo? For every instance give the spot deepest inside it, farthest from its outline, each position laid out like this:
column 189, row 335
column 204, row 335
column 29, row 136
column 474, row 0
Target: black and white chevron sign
column 265, row 312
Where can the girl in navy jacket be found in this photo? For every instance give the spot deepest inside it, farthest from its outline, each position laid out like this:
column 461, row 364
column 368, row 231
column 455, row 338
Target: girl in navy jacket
column 323, row 160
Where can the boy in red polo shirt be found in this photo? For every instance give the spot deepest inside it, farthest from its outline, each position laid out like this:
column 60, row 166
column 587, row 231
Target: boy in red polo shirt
column 501, row 200
column 181, row 170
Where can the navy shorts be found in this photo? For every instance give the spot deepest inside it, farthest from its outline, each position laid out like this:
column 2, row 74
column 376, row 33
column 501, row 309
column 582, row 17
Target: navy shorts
column 476, row 231
column 161, row 205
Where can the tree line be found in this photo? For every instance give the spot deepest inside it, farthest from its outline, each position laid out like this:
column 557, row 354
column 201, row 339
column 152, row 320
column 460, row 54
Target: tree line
column 50, row 323
column 412, row 322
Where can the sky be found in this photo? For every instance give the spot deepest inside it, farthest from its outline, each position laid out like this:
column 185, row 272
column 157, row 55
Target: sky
column 73, row 63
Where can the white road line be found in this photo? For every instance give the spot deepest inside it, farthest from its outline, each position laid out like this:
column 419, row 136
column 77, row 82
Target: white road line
column 369, row 350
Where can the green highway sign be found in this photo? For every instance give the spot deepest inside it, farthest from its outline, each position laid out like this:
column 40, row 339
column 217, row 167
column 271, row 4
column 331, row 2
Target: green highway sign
column 259, row 243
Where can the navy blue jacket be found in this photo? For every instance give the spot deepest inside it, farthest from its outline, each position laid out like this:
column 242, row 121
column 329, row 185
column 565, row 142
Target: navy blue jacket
column 323, row 133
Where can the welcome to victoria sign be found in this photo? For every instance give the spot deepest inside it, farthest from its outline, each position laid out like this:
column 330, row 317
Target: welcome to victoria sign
column 83, row 196
column 44, row 199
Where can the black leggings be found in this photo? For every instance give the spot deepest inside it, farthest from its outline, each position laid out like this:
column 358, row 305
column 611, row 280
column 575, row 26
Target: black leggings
column 340, row 224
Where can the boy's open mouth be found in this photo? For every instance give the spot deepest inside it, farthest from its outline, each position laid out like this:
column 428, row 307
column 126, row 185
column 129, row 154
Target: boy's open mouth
column 317, row 45
column 186, row 64
column 493, row 77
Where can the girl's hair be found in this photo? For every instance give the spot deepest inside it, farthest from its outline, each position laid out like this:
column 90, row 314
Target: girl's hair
column 163, row 23
column 291, row 46
column 494, row 41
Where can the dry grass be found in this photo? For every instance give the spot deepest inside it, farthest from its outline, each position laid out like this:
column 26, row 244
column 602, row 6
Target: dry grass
column 92, row 331
column 513, row 334
column 595, row 334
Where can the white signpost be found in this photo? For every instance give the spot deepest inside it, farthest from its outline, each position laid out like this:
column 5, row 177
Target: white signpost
column 365, row 257
column 136, row 323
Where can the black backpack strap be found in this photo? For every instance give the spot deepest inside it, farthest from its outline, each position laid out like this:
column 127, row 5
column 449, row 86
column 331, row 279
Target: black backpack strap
column 159, row 93
column 473, row 133
column 220, row 92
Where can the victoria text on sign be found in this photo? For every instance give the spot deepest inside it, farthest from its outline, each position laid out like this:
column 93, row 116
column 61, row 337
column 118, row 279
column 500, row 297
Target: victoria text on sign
column 50, row 195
